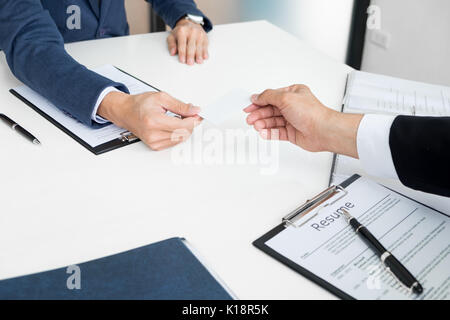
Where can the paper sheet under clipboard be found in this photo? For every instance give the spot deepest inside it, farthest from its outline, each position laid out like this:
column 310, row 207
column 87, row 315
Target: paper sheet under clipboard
column 93, row 137
column 327, row 247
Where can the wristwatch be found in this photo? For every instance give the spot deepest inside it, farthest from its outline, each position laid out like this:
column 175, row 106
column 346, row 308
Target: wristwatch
column 195, row 19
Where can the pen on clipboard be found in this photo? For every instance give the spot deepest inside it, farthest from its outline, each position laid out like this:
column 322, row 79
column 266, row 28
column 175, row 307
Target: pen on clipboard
column 392, row 264
column 16, row 127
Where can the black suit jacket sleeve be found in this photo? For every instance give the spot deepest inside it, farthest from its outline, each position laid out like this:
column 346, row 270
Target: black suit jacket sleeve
column 420, row 148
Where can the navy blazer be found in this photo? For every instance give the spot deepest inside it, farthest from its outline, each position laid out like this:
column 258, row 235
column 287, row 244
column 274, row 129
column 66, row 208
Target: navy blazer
column 33, row 33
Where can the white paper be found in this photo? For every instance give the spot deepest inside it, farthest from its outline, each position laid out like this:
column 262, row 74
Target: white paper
column 368, row 92
column 373, row 93
column 416, row 235
column 223, row 108
column 94, row 137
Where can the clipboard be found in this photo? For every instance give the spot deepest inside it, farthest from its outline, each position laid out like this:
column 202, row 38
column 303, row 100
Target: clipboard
column 291, row 218
column 318, row 202
column 126, row 137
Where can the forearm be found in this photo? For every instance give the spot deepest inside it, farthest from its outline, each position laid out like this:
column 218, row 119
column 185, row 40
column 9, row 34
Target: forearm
column 339, row 133
column 115, row 106
column 414, row 149
column 365, row 137
column 36, row 56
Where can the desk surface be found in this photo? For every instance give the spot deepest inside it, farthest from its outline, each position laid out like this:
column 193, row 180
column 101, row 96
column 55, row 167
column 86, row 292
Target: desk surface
column 62, row 205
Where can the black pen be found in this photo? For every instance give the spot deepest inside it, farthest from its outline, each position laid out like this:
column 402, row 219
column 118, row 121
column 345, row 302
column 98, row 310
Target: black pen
column 11, row 123
column 392, row 264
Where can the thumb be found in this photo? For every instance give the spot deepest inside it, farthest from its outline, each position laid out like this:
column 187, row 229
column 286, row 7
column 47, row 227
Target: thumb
column 178, row 107
column 269, row 97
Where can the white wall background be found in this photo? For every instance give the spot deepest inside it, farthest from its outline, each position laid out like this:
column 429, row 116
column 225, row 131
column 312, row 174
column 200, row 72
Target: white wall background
column 324, row 24
column 419, row 47
column 419, row 30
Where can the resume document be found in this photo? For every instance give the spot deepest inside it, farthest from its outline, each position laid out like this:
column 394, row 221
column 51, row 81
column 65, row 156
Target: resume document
column 327, row 246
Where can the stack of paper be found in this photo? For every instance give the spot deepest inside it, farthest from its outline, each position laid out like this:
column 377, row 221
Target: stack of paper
column 368, row 92
column 372, row 93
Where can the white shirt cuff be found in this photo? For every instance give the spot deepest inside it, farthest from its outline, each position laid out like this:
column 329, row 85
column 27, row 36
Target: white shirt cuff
column 102, row 96
column 373, row 145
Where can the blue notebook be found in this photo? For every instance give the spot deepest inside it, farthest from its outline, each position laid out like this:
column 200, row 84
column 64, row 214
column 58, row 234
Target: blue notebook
column 163, row 270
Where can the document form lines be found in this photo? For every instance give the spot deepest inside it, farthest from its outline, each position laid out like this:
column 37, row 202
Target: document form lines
column 376, row 93
column 380, row 239
column 387, row 232
column 346, row 227
column 361, row 253
column 347, row 266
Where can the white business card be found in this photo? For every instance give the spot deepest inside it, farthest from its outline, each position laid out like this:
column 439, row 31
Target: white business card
column 223, row 108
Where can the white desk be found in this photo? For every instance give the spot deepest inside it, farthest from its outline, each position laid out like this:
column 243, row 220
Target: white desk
column 62, row 205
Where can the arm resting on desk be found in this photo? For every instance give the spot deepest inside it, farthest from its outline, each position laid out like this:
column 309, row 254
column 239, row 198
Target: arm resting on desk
column 35, row 53
column 171, row 11
column 187, row 39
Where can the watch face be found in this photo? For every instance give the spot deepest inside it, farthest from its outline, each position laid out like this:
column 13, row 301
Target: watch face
column 197, row 19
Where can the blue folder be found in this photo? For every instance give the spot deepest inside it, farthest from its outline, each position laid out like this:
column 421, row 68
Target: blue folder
column 163, row 270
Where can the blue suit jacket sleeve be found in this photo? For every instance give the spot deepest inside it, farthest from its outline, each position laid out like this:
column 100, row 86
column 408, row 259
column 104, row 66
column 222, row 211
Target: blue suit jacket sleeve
column 173, row 10
column 35, row 53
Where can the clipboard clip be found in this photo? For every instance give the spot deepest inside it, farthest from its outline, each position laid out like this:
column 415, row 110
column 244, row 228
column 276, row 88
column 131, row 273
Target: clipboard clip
column 128, row 137
column 314, row 203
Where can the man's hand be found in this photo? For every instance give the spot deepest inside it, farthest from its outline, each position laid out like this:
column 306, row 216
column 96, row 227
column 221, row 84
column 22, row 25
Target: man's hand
column 294, row 114
column 145, row 116
column 190, row 41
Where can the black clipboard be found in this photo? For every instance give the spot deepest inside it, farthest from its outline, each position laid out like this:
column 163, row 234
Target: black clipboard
column 309, row 205
column 126, row 138
column 261, row 242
